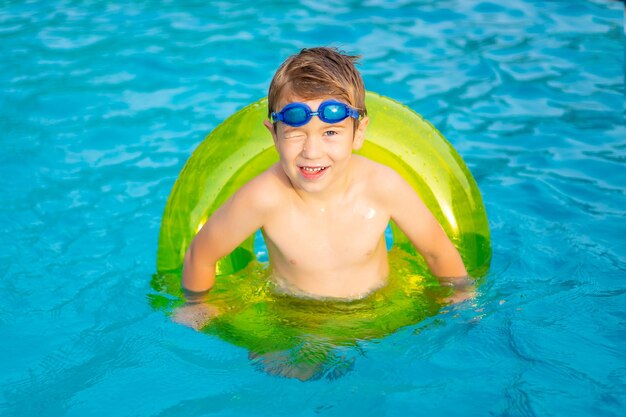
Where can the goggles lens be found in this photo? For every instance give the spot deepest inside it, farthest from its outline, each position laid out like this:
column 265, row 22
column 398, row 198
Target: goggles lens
column 295, row 115
column 329, row 111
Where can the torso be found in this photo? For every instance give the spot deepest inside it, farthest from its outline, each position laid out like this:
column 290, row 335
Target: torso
column 330, row 248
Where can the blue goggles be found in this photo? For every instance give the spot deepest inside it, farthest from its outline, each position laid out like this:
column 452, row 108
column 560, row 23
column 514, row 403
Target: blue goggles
column 329, row 111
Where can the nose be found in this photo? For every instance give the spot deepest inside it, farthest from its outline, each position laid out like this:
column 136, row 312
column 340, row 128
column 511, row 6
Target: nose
column 312, row 147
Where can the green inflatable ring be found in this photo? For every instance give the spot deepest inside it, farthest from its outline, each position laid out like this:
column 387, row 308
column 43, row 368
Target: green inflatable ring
column 256, row 318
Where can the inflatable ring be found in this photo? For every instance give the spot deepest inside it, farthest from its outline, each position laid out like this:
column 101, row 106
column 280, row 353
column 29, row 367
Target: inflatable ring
column 241, row 148
column 310, row 334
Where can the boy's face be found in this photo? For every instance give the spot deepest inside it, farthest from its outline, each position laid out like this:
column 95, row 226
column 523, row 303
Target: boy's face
column 317, row 155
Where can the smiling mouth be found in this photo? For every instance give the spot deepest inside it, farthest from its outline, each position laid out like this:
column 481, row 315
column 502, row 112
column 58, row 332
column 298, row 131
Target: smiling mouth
column 312, row 173
column 312, row 170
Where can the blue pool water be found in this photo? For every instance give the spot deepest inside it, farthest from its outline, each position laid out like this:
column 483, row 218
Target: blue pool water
column 103, row 102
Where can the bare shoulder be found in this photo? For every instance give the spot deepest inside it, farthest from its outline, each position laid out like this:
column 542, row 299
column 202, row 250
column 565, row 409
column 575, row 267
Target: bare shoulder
column 381, row 180
column 265, row 191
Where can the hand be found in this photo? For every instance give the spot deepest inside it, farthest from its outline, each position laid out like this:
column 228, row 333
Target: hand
column 463, row 289
column 195, row 315
column 461, row 294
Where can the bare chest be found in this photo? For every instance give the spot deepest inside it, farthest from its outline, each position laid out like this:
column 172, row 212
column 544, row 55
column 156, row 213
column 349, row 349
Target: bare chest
column 325, row 240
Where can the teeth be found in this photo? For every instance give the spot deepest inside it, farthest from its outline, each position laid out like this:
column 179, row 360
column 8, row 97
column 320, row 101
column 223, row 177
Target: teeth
column 310, row 169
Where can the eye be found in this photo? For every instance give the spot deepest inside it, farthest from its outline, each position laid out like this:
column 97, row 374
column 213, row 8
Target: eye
column 331, row 133
column 294, row 136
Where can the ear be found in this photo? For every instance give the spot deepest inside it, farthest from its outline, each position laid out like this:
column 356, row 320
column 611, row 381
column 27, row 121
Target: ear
column 359, row 135
column 270, row 126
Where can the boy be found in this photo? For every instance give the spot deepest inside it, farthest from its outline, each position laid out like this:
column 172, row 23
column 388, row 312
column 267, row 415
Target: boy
column 323, row 210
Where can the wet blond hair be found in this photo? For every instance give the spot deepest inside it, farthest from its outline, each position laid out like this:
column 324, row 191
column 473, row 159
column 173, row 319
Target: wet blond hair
column 319, row 72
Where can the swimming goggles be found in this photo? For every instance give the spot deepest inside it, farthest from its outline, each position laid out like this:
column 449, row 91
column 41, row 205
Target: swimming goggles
column 329, row 111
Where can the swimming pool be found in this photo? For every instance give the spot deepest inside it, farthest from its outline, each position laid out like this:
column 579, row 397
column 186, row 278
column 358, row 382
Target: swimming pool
column 102, row 105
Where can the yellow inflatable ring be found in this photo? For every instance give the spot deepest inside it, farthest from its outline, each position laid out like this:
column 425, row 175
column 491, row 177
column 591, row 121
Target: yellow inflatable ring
column 262, row 321
column 241, row 148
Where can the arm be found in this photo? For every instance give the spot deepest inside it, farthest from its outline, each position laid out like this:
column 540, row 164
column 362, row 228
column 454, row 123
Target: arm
column 237, row 219
column 233, row 222
column 423, row 230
